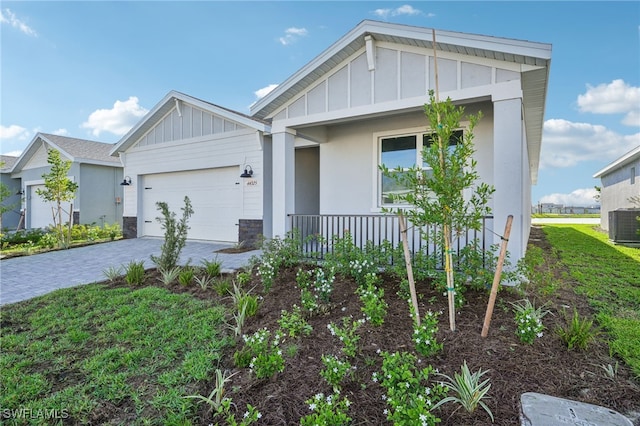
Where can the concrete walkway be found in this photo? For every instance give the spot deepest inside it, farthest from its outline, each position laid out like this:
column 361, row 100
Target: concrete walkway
column 25, row 277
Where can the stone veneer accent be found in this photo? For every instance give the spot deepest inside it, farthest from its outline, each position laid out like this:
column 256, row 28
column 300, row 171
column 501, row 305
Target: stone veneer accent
column 249, row 232
column 130, row 227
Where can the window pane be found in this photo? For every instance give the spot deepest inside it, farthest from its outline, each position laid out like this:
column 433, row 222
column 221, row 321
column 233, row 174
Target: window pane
column 391, row 187
column 399, row 152
column 430, row 138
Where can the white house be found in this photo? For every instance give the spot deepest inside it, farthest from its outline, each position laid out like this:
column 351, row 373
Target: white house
column 11, row 217
column 620, row 181
column 315, row 142
column 98, row 175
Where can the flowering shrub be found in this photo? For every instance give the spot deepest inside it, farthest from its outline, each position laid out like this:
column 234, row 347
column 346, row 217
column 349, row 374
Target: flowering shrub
column 360, row 268
column 373, row 305
column 528, row 320
column 408, row 398
column 424, row 335
column 334, row 370
column 316, row 287
column 293, row 323
column 347, row 334
column 267, row 357
column 267, row 271
column 327, row 411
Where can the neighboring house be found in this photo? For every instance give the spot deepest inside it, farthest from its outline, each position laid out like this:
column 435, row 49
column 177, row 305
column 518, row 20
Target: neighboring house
column 11, row 218
column 620, row 181
column 98, row 175
column 316, row 141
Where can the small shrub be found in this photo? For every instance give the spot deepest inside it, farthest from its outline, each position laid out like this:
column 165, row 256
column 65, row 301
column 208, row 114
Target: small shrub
column 167, row 276
column 203, row 281
column 468, row 389
column 222, row 286
column 175, row 234
column 266, row 354
column 329, row 410
column 374, row 306
column 134, row 273
column 212, row 268
column 243, row 278
column 528, row 320
column 186, row 275
column 112, row 273
column 348, row 334
column 334, row 370
column 424, row 335
column 578, row 332
column 293, row 323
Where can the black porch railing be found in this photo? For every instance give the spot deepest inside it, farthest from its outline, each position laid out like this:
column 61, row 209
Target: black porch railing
column 316, row 233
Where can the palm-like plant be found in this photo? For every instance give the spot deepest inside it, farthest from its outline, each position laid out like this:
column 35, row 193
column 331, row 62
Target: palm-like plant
column 469, row 391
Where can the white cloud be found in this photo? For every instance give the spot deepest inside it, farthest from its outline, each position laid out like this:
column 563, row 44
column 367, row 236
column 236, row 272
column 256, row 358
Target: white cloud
column 580, row 197
column 261, row 93
column 10, row 18
column 402, row 10
column 13, row 132
column 61, row 132
column 117, row 120
column 616, row 97
column 292, row 34
column 565, row 143
column 16, row 153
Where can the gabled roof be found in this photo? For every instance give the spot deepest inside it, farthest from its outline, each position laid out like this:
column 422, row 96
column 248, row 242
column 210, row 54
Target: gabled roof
column 77, row 150
column 7, row 162
column 534, row 58
column 168, row 102
column 629, row 157
column 509, row 50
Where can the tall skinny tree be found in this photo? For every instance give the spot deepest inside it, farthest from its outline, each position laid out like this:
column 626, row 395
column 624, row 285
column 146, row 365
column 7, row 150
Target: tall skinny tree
column 444, row 191
column 59, row 189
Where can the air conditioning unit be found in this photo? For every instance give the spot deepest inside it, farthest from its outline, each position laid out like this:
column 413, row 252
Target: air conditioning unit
column 624, row 225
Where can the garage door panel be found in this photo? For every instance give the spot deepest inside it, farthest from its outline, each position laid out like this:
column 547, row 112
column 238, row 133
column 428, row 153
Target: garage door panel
column 40, row 211
column 215, row 197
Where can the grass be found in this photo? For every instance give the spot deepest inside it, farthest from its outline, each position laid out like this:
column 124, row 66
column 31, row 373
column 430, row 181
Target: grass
column 609, row 275
column 108, row 343
column 564, row 216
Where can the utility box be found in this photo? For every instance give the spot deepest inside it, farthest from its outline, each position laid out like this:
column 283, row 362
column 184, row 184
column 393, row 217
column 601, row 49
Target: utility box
column 624, row 225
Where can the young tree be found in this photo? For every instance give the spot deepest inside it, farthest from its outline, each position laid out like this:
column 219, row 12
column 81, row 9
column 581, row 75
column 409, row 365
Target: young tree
column 175, row 234
column 59, row 189
column 445, row 192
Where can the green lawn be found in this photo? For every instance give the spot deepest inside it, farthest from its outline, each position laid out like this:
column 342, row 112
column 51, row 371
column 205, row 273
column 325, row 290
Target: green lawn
column 609, row 275
column 78, row 351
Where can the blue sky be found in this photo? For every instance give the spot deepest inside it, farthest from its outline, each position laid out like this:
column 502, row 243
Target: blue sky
column 91, row 70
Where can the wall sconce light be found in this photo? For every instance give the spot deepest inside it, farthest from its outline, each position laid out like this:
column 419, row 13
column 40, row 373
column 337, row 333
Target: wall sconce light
column 248, row 172
column 126, row 181
column 20, row 192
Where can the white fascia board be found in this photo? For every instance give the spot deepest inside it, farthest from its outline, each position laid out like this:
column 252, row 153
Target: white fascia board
column 626, row 158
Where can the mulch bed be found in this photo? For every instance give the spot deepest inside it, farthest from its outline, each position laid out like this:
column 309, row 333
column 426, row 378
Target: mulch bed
column 514, row 367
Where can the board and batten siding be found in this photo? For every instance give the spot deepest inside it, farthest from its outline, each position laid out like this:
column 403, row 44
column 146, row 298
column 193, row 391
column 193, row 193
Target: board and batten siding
column 185, row 123
column 234, row 148
column 400, row 73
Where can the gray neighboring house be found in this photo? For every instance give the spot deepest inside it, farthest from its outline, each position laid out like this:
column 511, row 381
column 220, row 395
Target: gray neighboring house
column 11, row 218
column 98, row 175
column 620, row 181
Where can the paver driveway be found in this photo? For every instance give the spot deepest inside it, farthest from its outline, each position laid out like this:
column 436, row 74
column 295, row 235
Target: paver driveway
column 25, row 277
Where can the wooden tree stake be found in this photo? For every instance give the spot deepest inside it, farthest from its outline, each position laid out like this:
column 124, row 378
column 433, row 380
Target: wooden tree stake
column 407, row 262
column 496, row 277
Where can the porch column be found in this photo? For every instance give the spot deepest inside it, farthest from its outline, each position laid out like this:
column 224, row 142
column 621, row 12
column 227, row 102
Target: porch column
column 283, row 158
column 509, row 154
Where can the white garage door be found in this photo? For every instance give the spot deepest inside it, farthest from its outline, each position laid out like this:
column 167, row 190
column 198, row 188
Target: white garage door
column 215, row 196
column 39, row 210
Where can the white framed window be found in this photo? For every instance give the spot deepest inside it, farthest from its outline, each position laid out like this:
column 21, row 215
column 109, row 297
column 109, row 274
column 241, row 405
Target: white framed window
column 399, row 152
